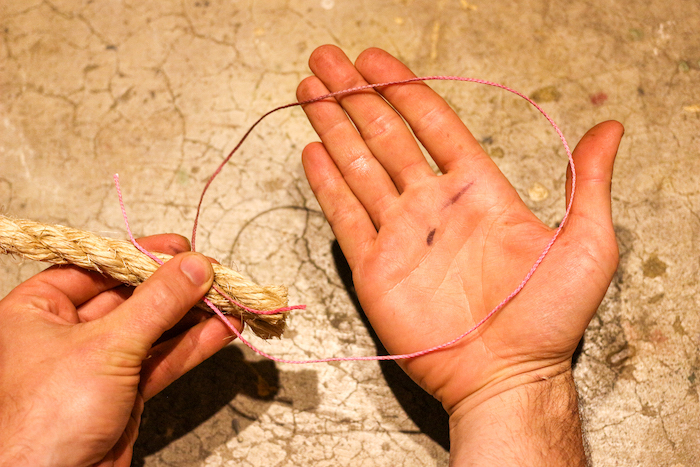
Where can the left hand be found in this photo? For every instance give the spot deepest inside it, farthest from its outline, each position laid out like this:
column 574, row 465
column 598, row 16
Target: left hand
column 79, row 355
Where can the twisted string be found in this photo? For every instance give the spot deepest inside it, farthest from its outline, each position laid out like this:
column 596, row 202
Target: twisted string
column 488, row 316
column 214, row 286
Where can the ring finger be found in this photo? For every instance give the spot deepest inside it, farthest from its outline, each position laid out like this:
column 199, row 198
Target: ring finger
column 363, row 173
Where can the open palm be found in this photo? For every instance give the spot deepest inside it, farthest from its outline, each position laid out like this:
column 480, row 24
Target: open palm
column 432, row 255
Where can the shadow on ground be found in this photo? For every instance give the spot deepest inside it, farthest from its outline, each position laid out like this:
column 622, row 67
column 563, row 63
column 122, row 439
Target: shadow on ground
column 195, row 398
column 187, row 417
column 423, row 409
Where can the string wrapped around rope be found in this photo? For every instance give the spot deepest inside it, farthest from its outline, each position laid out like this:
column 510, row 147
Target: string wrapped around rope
column 121, row 260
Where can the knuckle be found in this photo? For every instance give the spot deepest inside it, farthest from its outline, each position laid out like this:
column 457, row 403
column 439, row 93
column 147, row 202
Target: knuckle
column 381, row 125
column 161, row 296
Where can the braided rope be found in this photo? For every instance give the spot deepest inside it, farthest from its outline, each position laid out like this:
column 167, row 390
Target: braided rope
column 120, row 260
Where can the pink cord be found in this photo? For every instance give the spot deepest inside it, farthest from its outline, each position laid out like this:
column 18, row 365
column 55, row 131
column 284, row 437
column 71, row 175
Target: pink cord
column 214, row 286
column 505, row 301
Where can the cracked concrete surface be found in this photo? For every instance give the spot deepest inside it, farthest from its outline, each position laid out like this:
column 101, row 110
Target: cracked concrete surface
column 160, row 91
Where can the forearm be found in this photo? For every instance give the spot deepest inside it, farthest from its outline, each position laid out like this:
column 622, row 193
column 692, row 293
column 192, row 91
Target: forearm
column 534, row 424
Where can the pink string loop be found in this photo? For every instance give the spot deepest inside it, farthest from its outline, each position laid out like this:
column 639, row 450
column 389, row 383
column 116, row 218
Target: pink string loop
column 498, row 307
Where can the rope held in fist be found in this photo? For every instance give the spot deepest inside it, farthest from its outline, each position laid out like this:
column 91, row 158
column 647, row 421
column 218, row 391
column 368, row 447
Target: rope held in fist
column 122, row 261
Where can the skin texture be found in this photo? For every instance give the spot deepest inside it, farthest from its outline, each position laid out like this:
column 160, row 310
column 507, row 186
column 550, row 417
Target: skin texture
column 432, row 255
column 78, row 360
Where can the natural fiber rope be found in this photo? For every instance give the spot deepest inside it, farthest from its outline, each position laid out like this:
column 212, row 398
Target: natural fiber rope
column 120, row 260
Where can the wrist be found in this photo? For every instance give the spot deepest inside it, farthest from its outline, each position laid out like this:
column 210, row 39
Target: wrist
column 530, row 420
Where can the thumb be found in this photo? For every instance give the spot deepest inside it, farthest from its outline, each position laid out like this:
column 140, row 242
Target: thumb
column 594, row 157
column 590, row 220
column 162, row 300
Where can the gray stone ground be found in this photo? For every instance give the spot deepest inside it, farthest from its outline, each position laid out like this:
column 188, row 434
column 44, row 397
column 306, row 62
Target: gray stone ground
column 160, row 91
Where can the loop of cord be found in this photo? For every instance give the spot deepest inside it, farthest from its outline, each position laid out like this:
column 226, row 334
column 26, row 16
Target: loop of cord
column 488, row 316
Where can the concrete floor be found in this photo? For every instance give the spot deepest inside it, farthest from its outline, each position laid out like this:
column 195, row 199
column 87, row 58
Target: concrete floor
column 160, row 91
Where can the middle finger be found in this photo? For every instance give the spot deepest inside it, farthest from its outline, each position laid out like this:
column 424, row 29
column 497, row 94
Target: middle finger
column 382, row 128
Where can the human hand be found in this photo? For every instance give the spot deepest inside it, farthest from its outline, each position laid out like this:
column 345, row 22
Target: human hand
column 432, row 255
column 78, row 360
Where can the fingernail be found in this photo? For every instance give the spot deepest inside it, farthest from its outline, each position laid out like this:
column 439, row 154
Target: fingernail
column 196, row 268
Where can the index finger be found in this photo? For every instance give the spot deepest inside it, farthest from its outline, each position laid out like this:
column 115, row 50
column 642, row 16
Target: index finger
column 80, row 285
